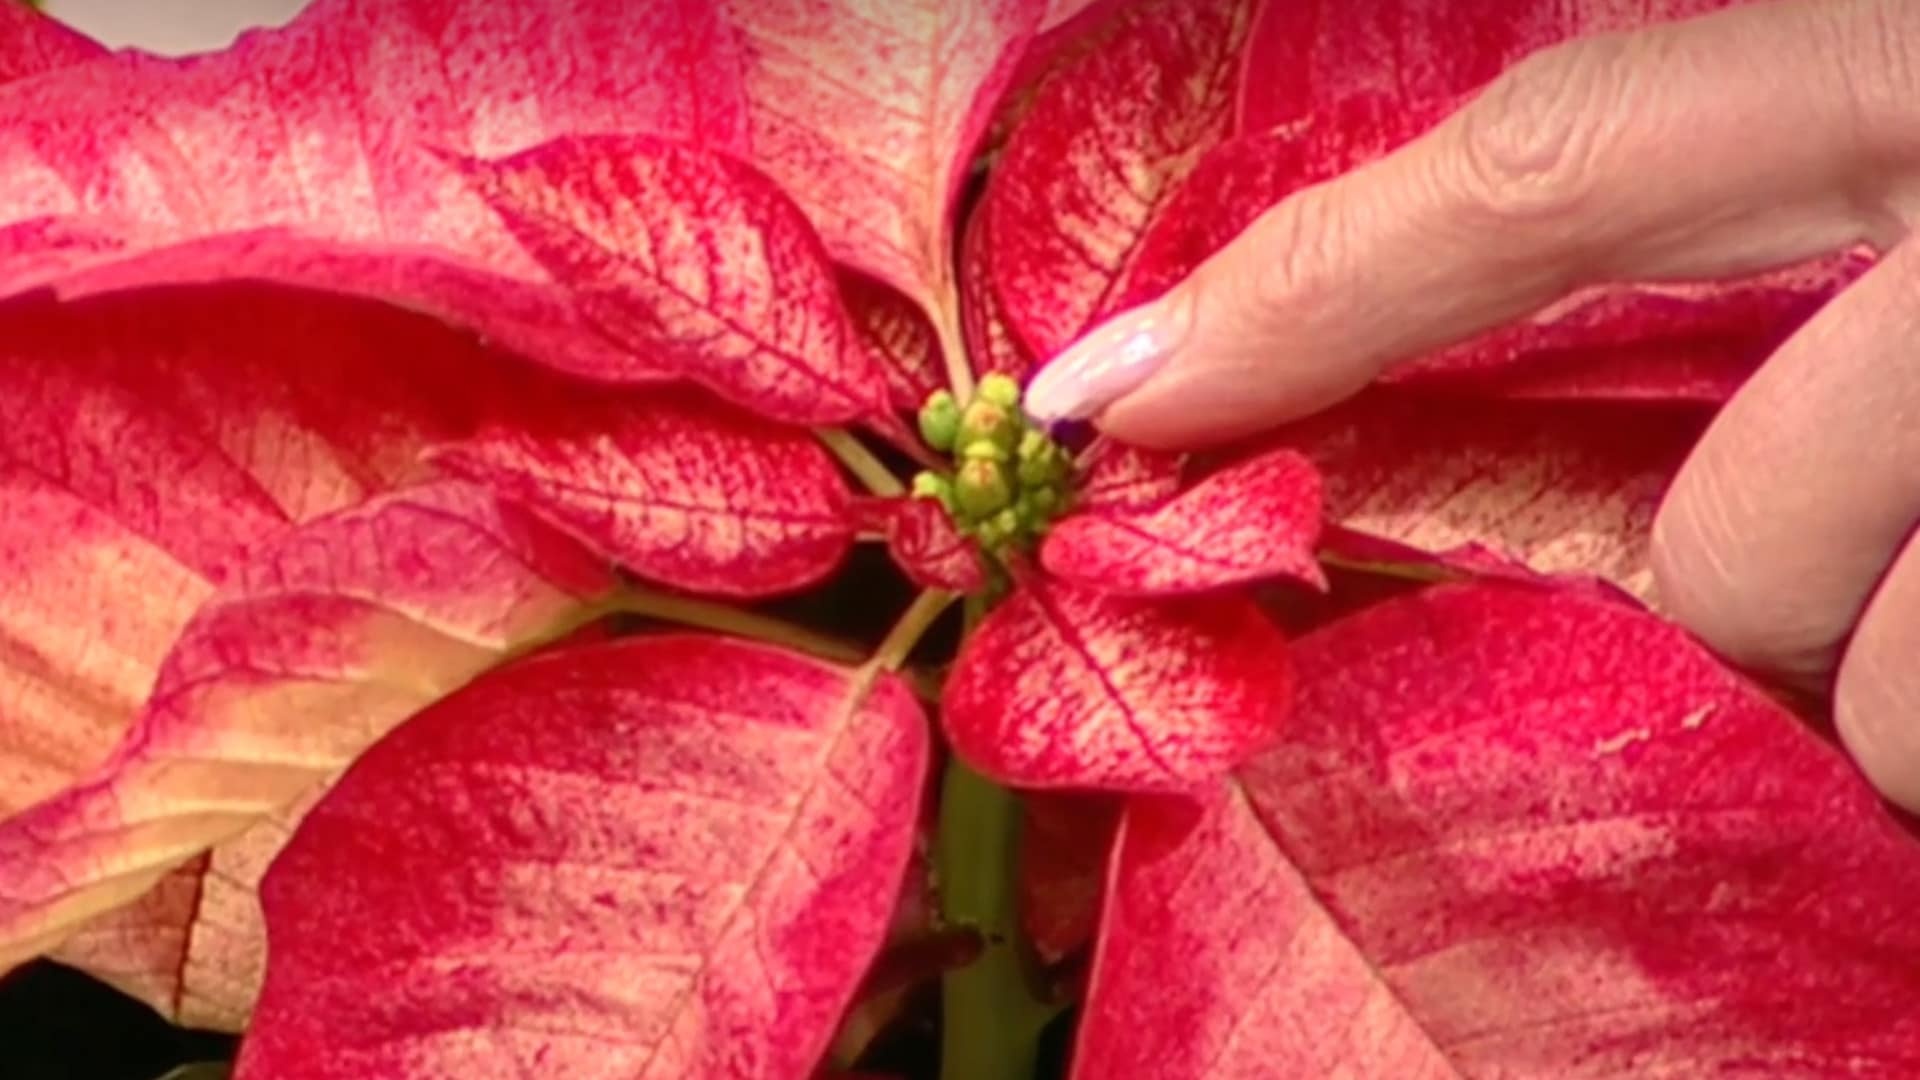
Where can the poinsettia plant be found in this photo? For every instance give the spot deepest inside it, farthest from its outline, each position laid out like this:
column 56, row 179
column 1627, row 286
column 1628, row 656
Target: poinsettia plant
column 444, row 448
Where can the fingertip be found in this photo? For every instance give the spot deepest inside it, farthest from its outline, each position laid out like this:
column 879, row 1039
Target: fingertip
column 1110, row 361
column 1876, row 692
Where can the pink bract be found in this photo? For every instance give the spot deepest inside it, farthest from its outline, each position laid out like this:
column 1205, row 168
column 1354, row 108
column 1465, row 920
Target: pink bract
column 1512, row 832
column 513, row 881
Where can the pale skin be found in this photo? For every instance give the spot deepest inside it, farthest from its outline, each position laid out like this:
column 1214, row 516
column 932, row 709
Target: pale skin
column 1719, row 146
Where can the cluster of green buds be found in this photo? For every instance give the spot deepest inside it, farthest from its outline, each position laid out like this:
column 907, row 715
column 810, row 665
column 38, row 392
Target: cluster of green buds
column 1009, row 479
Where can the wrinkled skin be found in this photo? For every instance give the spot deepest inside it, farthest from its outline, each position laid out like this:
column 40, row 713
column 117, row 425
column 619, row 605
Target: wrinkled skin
column 1723, row 145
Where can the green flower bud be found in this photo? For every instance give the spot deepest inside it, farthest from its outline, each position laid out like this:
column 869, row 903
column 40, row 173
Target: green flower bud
column 932, row 485
column 1045, row 465
column 1041, row 503
column 999, row 389
column 940, row 420
column 1007, row 522
column 983, row 450
column 982, row 488
column 987, row 421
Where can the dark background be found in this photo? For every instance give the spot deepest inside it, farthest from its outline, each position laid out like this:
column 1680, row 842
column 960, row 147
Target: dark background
column 58, row 1024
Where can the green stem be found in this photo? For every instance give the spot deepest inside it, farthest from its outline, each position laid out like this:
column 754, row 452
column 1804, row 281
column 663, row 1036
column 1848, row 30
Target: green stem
column 1404, row 571
column 911, row 627
column 707, row 615
column 993, row 1018
column 859, row 460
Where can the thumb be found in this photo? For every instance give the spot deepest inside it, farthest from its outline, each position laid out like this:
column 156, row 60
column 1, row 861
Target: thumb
column 1760, row 144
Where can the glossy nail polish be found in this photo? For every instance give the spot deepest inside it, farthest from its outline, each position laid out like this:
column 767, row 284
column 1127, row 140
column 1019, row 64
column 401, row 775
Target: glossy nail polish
column 1108, row 363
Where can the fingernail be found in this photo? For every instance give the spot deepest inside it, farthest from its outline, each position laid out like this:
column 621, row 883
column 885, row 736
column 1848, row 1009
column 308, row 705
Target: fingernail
column 1110, row 362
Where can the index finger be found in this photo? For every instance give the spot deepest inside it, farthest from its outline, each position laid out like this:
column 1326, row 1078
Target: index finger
column 1725, row 144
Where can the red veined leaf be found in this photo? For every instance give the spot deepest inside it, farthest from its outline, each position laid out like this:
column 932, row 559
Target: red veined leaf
column 1514, row 832
column 195, row 945
column 673, row 485
column 1255, row 519
column 1121, row 478
column 1071, row 30
column 867, row 116
column 1351, row 65
column 1064, row 687
column 897, row 336
column 318, row 644
column 991, row 343
column 1065, row 840
column 1229, row 187
column 697, row 263
column 31, row 43
column 660, row 857
column 301, row 154
column 924, row 543
column 1563, row 488
column 1106, row 141
column 150, row 445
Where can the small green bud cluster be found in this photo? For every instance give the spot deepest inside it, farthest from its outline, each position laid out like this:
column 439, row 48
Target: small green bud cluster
column 1009, row 479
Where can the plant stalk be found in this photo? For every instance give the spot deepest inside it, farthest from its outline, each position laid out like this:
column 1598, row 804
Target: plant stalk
column 992, row 1017
column 725, row 619
column 869, row 470
column 953, row 345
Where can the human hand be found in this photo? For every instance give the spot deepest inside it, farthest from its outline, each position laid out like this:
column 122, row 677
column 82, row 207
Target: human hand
column 1719, row 146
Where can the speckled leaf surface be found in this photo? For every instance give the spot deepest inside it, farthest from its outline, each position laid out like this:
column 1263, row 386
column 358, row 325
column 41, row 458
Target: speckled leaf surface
column 150, row 446
column 1107, row 139
column 317, row 645
column 866, row 115
column 312, row 154
column 1562, row 488
column 925, row 544
column 1376, row 68
column 1514, row 832
column 991, row 343
column 1114, row 476
column 669, row 857
column 898, row 336
column 697, row 263
column 673, row 485
column 1064, row 687
column 31, row 43
column 1255, row 519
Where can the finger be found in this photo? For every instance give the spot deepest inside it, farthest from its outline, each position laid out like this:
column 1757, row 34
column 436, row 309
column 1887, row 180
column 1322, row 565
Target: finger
column 1877, row 694
column 1746, row 139
column 1802, row 491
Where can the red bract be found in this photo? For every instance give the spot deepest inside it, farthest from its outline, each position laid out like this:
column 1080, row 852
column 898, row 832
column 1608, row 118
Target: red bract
column 1065, row 687
column 1513, row 832
column 563, row 319
column 512, row 881
column 678, row 489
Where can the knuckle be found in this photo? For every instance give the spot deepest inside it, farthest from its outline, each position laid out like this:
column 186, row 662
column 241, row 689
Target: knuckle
column 1529, row 148
column 1299, row 251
